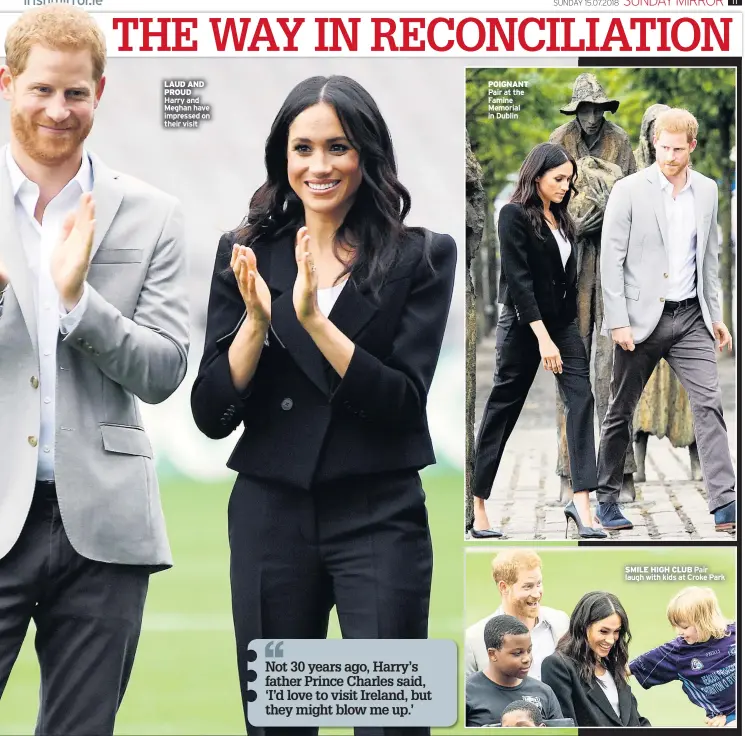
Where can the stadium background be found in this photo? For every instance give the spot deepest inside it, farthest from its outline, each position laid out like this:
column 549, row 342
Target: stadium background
column 185, row 679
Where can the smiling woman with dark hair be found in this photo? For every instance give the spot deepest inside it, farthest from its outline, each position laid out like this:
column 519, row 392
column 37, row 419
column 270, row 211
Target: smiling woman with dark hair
column 326, row 317
column 588, row 670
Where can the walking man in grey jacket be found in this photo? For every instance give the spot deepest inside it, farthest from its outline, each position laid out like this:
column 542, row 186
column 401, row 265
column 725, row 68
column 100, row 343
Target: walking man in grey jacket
column 659, row 269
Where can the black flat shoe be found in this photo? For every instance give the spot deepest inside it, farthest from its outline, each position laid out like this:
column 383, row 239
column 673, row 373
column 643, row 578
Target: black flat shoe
column 585, row 532
column 486, row 533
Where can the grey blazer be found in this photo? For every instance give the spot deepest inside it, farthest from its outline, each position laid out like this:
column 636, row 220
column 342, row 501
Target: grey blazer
column 633, row 252
column 132, row 342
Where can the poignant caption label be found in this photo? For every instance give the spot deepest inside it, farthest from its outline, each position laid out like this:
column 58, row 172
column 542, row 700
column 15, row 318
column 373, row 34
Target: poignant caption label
column 352, row 682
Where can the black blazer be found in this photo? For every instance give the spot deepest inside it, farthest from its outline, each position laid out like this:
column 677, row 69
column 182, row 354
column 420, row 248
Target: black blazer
column 303, row 424
column 532, row 278
column 587, row 706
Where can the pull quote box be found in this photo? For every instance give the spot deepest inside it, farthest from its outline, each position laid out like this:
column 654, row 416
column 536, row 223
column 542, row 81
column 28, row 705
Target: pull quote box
column 352, row 682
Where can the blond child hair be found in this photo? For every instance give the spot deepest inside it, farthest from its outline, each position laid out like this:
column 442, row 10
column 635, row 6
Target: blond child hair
column 699, row 607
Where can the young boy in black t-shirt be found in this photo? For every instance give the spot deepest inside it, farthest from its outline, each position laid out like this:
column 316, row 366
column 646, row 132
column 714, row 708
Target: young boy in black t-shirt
column 506, row 679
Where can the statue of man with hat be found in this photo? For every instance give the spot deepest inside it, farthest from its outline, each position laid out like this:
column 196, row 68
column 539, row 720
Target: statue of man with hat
column 603, row 154
column 589, row 133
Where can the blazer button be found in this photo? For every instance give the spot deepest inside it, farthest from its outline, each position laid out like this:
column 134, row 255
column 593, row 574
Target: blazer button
column 662, row 298
column 34, row 382
column 286, row 404
column 665, row 275
column 33, row 441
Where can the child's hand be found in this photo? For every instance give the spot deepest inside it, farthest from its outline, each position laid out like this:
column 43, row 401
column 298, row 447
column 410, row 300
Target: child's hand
column 716, row 721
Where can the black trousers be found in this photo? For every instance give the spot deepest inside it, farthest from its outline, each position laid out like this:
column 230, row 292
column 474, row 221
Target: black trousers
column 518, row 359
column 87, row 614
column 361, row 544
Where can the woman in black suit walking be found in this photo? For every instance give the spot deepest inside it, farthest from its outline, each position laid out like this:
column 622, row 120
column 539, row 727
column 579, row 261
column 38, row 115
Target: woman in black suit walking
column 588, row 671
column 538, row 288
column 325, row 321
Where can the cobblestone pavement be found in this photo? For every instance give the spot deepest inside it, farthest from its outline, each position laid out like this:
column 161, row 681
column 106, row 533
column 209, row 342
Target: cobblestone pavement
column 525, row 502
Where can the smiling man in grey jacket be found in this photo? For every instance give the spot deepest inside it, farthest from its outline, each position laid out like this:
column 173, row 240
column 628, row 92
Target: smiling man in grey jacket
column 660, row 273
column 519, row 579
column 93, row 315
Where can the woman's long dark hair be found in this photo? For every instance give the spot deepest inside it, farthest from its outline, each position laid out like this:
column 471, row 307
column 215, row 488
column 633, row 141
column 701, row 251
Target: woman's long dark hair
column 591, row 608
column 543, row 158
column 373, row 227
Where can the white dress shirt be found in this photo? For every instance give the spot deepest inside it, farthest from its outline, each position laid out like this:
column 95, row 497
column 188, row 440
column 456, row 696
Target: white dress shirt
column 680, row 213
column 39, row 241
column 610, row 690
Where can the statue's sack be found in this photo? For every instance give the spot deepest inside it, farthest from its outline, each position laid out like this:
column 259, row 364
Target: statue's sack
column 592, row 173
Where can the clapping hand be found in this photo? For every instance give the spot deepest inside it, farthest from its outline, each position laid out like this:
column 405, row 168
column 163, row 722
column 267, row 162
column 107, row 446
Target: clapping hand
column 72, row 254
column 305, row 291
column 252, row 286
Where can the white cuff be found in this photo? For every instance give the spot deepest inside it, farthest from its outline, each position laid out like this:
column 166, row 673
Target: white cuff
column 70, row 320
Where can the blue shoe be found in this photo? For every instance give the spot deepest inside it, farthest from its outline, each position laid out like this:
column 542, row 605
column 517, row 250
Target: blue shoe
column 609, row 516
column 725, row 518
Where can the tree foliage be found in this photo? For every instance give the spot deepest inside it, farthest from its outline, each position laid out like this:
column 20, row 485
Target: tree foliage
column 500, row 145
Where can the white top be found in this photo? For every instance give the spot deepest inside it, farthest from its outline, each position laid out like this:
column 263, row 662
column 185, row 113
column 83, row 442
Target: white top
column 680, row 214
column 39, row 241
column 327, row 297
column 565, row 247
column 610, row 690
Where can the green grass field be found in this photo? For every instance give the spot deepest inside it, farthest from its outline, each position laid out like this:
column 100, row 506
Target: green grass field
column 569, row 573
column 185, row 679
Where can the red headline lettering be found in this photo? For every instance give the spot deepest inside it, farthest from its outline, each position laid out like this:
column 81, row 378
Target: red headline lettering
column 470, row 34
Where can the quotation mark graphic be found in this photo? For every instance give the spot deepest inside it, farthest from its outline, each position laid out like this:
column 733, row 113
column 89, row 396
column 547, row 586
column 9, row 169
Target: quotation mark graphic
column 274, row 651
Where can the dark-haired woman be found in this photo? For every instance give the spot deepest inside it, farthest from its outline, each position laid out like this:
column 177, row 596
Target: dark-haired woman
column 538, row 291
column 326, row 317
column 588, row 670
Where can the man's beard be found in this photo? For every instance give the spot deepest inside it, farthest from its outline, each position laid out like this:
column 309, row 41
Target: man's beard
column 523, row 609
column 46, row 149
column 675, row 167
